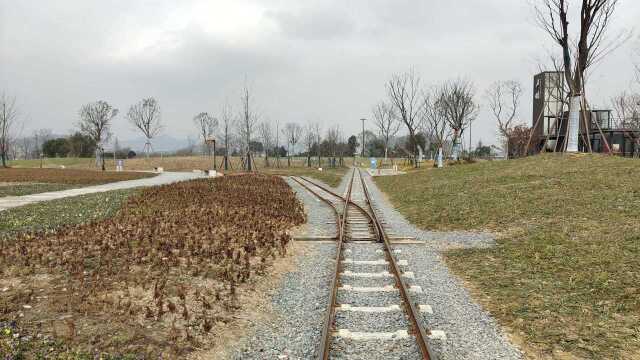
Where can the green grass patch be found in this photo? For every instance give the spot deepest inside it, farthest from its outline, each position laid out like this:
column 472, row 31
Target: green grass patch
column 73, row 210
column 565, row 273
column 28, row 189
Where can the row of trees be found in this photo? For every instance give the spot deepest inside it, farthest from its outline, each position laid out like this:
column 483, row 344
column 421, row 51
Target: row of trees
column 96, row 120
column 441, row 113
column 245, row 133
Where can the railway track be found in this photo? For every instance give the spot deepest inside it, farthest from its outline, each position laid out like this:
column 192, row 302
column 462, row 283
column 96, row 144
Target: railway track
column 371, row 313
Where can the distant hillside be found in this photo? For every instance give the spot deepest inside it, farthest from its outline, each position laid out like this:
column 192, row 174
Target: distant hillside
column 161, row 143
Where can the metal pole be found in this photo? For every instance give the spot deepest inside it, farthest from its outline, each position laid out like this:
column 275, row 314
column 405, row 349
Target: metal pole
column 363, row 137
column 470, row 139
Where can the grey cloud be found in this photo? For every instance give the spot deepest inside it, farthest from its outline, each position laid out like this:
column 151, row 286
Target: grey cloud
column 323, row 61
column 317, row 24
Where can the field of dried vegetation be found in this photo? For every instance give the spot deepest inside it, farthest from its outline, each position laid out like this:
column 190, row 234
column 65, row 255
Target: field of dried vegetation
column 155, row 280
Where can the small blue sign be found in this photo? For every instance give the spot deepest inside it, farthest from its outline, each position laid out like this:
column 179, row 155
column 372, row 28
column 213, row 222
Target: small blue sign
column 374, row 163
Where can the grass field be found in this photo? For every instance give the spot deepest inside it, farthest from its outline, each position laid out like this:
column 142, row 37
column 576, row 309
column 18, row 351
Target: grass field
column 26, row 181
column 17, row 189
column 155, row 280
column 564, row 276
column 49, row 215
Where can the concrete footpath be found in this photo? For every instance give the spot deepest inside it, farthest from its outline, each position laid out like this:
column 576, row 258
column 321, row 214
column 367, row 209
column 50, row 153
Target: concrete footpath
column 161, row 179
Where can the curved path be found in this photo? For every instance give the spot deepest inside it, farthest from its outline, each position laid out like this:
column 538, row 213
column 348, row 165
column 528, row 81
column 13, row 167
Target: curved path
column 9, row 202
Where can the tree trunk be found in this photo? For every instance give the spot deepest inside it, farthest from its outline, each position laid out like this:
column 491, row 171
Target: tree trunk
column 506, row 149
column 573, row 126
column 412, row 135
column 456, row 145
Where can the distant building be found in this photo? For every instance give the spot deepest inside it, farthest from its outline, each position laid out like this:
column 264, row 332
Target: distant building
column 549, row 123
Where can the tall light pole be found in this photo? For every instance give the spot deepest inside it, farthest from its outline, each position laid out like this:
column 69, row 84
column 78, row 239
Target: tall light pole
column 470, row 123
column 363, row 137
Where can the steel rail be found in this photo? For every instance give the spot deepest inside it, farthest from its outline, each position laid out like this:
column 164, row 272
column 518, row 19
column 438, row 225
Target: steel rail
column 329, row 191
column 419, row 330
column 324, row 347
column 327, row 201
column 325, row 344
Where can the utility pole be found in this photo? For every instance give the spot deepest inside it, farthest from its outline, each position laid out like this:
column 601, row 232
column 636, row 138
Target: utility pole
column 470, row 123
column 363, row 137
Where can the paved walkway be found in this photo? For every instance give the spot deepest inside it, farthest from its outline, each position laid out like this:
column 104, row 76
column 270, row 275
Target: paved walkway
column 164, row 178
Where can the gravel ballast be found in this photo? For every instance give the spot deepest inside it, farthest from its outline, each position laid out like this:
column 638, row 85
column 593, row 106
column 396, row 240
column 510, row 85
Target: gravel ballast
column 299, row 307
column 320, row 218
column 299, row 304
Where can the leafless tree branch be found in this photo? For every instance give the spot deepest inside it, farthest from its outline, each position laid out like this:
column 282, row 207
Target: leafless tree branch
column 206, row 125
column 456, row 97
column 8, row 120
column 404, row 94
column 384, row 118
column 145, row 116
column 95, row 122
column 292, row 133
column 248, row 120
column 503, row 98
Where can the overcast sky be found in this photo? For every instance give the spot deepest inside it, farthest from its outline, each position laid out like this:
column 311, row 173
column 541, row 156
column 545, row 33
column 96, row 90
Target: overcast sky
column 324, row 61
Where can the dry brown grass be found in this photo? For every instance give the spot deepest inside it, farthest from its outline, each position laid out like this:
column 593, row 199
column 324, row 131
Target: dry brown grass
column 155, row 280
column 566, row 270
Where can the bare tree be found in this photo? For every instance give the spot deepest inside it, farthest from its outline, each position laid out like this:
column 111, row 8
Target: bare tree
column 226, row 117
column 333, row 135
column 95, row 122
column 385, row 120
column 317, row 129
column 266, row 135
column 40, row 137
column 456, row 99
column 206, row 125
column 145, row 116
column 247, row 122
column 627, row 108
column 404, row 94
column 8, row 120
column 277, row 143
column 435, row 122
column 504, row 99
column 308, row 139
column 580, row 53
column 292, row 133
column 26, row 144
